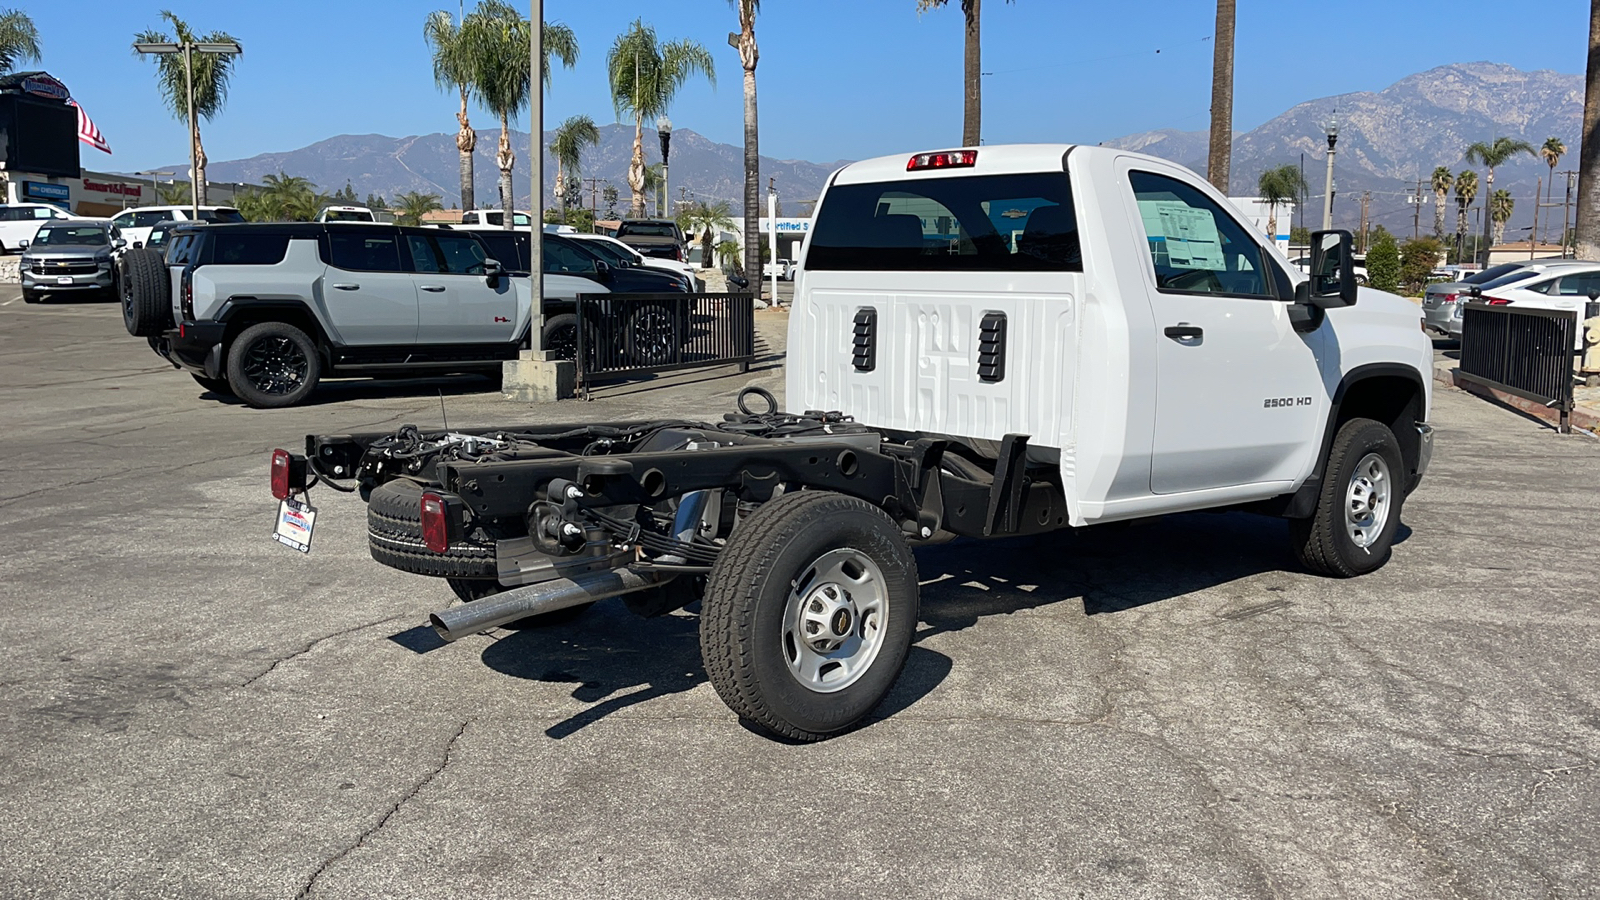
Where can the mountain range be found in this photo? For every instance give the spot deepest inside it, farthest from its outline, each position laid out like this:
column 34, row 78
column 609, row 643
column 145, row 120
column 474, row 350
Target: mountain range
column 1387, row 140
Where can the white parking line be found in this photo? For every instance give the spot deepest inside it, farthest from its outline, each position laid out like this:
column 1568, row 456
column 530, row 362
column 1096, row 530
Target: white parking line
column 11, row 301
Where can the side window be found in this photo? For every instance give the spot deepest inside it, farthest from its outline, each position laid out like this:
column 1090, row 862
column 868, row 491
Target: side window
column 44, row 212
column 1579, row 285
column 1542, row 287
column 363, row 252
column 424, row 256
column 178, row 253
column 563, row 259
column 10, row 214
column 1195, row 245
column 460, row 255
column 146, row 219
column 235, row 249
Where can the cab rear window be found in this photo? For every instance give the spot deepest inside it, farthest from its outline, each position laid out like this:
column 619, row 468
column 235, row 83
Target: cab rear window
column 248, row 249
column 984, row 223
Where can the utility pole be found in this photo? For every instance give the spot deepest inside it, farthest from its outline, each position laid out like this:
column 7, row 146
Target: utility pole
column 1366, row 200
column 1566, row 210
column 1416, row 211
column 1533, row 233
column 594, row 195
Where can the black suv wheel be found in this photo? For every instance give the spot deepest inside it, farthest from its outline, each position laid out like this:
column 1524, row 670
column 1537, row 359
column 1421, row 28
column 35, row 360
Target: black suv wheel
column 273, row 364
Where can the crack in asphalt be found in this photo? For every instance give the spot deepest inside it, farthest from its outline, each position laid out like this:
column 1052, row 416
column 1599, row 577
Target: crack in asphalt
column 416, row 788
column 312, row 646
column 120, row 473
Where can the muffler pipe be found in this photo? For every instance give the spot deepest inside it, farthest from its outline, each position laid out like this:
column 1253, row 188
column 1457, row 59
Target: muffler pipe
column 534, row 599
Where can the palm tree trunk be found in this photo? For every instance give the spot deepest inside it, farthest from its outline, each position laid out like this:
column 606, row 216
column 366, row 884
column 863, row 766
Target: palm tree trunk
column 972, row 60
column 1272, row 223
column 1220, row 157
column 749, row 55
column 1488, row 218
column 506, row 159
column 1461, row 229
column 199, row 169
column 466, row 142
column 561, row 190
column 1438, row 215
column 1499, row 233
column 1588, row 223
column 636, row 170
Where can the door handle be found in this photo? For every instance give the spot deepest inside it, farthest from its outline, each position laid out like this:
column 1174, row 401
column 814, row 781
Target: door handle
column 345, row 286
column 432, row 288
column 1183, row 331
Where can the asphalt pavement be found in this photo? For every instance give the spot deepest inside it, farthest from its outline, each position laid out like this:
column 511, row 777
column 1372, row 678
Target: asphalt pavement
column 1164, row 710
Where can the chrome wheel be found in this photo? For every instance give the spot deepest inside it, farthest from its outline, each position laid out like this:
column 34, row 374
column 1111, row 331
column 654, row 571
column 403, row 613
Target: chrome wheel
column 1366, row 500
column 276, row 365
column 835, row 620
column 651, row 334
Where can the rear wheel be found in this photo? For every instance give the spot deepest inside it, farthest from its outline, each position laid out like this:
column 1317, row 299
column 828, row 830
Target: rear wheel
column 651, row 334
column 1358, row 509
column 560, row 336
column 273, row 364
column 808, row 614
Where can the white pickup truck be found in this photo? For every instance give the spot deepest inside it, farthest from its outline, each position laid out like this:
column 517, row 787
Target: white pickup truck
column 1006, row 340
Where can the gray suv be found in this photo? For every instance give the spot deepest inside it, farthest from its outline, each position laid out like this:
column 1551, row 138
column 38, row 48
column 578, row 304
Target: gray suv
column 72, row 256
column 264, row 312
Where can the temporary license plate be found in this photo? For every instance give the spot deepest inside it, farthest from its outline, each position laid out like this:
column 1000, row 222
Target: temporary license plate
column 295, row 521
column 63, row 279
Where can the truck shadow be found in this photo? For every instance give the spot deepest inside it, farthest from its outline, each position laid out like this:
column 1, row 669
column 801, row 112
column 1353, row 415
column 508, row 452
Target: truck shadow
column 615, row 660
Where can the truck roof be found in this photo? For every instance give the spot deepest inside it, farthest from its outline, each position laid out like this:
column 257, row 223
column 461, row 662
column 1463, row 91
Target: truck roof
column 992, row 159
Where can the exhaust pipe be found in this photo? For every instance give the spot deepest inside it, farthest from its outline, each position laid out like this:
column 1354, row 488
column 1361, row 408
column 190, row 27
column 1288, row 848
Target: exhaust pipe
column 534, row 599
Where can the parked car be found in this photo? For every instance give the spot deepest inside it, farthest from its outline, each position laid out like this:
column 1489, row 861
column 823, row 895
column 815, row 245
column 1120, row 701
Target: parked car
column 72, row 256
column 346, row 214
column 1438, row 298
column 783, row 268
column 618, row 249
column 20, row 221
column 1573, row 286
column 135, row 223
column 520, row 218
column 266, row 311
column 660, row 238
column 1444, row 317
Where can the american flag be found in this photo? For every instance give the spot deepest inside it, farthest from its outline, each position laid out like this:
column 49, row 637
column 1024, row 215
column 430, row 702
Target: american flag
column 88, row 132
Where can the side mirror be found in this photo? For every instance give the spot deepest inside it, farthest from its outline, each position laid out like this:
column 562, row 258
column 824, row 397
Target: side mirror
column 492, row 270
column 119, row 243
column 1333, row 271
column 22, row 245
column 602, row 271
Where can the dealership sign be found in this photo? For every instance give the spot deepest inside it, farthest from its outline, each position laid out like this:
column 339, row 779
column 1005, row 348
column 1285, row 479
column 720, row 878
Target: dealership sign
column 45, row 86
column 115, row 187
column 38, row 190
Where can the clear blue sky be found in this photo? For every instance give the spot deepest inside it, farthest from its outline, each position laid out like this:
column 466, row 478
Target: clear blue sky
column 838, row 79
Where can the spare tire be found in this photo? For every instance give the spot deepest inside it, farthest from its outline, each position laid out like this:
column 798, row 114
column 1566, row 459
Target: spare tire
column 394, row 535
column 146, row 293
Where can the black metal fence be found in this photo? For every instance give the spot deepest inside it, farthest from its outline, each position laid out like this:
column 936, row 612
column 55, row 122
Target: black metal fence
column 626, row 334
column 1524, row 352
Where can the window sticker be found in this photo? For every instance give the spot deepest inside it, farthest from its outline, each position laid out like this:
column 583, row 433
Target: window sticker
column 1188, row 235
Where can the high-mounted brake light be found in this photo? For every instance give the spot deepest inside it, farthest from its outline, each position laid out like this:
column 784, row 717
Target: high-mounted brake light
column 946, row 159
column 435, row 525
column 280, row 474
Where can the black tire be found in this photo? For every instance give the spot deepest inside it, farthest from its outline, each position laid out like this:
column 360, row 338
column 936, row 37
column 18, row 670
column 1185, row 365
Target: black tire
column 1326, row 543
column 218, row 386
column 394, row 535
column 744, row 638
column 652, row 334
column 32, row 297
column 560, row 336
column 146, row 293
column 273, row 364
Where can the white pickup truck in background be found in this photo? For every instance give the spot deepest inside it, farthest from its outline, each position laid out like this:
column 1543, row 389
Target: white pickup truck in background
column 993, row 341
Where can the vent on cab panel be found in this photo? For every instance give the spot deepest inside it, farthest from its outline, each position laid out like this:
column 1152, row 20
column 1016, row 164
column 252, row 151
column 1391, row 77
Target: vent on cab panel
column 992, row 347
column 864, row 344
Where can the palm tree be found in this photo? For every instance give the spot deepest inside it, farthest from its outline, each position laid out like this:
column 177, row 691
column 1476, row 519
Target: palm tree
column 453, row 68
column 1551, row 150
column 1494, row 153
column 749, row 54
column 972, row 69
column 1441, row 181
column 1500, row 206
column 1280, row 185
column 211, row 72
column 567, row 146
column 1219, row 158
column 728, row 255
column 645, row 76
column 1466, row 192
column 1587, row 236
column 412, row 206
column 706, row 220
column 499, row 40
column 19, row 39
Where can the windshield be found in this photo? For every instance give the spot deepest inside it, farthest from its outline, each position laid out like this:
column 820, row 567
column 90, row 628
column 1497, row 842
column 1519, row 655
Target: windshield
column 72, row 236
column 499, row 218
column 1522, row 274
column 338, row 215
column 221, row 214
column 1491, row 273
column 651, row 229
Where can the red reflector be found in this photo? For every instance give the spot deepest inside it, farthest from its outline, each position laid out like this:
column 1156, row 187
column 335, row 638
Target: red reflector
column 435, row 527
column 948, row 159
column 280, row 474
column 1450, row 298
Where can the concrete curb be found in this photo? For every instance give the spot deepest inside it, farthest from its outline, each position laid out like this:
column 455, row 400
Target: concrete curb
column 1583, row 416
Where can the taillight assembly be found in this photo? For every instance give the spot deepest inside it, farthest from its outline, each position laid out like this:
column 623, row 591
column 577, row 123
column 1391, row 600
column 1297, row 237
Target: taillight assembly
column 947, row 159
column 288, row 474
column 1450, row 298
column 1497, row 301
column 435, row 523
column 188, row 296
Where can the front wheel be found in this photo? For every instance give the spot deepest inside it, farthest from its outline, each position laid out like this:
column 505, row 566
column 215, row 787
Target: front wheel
column 1358, row 509
column 808, row 614
column 273, row 364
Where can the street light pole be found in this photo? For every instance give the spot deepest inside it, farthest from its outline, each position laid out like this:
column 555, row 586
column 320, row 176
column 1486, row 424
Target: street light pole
column 1327, row 189
column 188, row 49
column 664, row 130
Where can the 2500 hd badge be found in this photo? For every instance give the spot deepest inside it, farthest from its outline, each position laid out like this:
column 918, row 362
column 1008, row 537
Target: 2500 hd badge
column 1275, row 402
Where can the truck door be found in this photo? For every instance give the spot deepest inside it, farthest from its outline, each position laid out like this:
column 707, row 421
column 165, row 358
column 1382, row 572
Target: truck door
column 457, row 303
column 369, row 297
column 1238, row 392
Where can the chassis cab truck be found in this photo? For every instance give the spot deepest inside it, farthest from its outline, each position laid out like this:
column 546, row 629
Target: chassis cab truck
column 984, row 342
